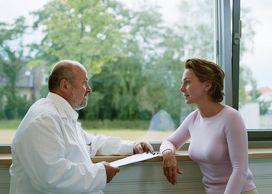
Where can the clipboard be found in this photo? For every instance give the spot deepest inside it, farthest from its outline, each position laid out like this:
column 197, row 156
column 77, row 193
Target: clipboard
column 134, row 158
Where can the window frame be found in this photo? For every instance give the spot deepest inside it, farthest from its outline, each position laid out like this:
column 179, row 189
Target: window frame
column 233, row 70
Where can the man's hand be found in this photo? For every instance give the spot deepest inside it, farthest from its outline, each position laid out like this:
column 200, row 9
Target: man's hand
column 170, row 166
column 110, row 171
column 141, row 147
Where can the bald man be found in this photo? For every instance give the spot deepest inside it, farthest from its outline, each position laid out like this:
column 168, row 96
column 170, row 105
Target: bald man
column 51, row 152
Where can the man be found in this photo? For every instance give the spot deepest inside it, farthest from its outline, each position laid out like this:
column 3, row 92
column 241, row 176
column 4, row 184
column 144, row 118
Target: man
column 51, row 152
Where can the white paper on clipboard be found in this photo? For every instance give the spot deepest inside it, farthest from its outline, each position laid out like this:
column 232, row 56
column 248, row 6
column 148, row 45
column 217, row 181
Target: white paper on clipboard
column 134, row 158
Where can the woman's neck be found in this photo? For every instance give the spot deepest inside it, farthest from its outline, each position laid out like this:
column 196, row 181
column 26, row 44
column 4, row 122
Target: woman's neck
column 210, row 109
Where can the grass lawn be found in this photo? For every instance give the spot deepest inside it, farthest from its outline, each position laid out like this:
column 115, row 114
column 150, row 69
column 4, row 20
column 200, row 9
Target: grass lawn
column 8, row 129
column 6, row 136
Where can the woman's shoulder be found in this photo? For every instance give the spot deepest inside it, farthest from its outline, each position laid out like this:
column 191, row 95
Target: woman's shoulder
column 192, row 116
column 230, row 110
column 231, row 114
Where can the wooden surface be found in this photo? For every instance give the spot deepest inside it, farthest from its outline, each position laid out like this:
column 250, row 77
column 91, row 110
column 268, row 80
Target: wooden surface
column 5, row 159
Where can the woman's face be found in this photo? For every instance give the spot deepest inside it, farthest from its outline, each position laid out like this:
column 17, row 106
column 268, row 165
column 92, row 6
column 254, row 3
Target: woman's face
column 192, row 89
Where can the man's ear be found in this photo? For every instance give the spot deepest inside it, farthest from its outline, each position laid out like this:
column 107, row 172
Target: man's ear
column 64, row 85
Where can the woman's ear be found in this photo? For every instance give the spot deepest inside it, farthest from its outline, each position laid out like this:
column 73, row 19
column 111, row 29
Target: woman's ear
column 208, row 85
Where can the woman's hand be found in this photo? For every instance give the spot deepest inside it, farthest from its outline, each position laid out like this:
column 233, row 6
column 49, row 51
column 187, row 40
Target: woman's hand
column 170, row 166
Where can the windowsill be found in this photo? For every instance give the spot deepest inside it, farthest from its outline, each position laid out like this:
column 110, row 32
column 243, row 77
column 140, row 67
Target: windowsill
column 253, row 153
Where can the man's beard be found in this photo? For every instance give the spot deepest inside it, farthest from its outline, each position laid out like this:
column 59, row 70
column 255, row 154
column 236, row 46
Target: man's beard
column 83, row 104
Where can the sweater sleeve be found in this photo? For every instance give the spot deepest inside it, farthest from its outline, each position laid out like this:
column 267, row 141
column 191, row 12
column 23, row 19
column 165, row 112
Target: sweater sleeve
column 179, row 137
column 237, row 142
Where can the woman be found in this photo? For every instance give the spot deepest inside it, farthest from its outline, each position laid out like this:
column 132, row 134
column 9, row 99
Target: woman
column 218, row 136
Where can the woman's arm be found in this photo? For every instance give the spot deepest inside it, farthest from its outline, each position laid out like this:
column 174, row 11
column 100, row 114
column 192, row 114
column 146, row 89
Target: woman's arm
column 236, row 136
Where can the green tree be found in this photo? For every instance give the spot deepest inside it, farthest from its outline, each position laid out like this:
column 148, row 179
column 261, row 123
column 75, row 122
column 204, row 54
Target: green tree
column 12, row 60
column 85, row 31
column 121, row 80
column 158, row 52
column 135, row 58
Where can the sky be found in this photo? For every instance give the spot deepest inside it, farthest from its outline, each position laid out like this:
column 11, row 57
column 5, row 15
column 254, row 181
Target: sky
column 258, row 60
column 13, row 8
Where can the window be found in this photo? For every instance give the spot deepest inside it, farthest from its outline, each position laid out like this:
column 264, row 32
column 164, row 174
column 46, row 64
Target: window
column 134, row 51
column 148, row 44
column 255, row 98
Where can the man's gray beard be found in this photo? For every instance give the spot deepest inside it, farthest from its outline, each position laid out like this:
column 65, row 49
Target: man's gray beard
column 82, row 105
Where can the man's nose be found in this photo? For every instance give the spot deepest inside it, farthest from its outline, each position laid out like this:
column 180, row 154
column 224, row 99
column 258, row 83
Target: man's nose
column 89, row 89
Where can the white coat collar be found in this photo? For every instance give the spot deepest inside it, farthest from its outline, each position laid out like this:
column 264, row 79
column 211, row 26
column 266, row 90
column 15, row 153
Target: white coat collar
column 63, row 107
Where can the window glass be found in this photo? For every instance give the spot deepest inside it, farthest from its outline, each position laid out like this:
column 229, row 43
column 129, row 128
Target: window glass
column 133, row 50
column 255, row 95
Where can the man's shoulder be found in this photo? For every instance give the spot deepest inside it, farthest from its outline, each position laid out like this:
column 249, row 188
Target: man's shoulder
column 42, row 103
column 43, row 107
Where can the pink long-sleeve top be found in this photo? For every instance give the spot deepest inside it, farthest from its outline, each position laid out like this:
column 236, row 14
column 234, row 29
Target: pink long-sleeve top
column 219, row 145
